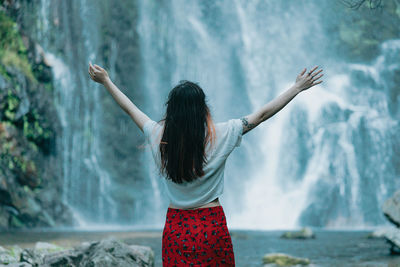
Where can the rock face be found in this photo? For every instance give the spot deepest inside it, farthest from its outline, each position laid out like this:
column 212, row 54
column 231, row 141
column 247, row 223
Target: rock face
column 30, row 170
column 391, row 209
column 304, row 233
column 393, row 238
column 380, row 232
column 107, row 252
column 281, row 259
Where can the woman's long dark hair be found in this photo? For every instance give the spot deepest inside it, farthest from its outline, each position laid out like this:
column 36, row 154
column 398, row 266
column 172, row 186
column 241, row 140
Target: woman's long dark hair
column 184, row 139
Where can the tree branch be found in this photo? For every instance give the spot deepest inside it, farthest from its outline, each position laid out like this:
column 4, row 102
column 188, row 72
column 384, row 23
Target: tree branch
column 356, row 4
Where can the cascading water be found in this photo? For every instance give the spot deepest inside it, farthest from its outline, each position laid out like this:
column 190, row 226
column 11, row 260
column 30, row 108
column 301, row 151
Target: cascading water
column 330, row 158
column 86, row 183
column 338, row 164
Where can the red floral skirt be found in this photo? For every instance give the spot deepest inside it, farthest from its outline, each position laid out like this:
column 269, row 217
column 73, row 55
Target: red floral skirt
column 198, row 237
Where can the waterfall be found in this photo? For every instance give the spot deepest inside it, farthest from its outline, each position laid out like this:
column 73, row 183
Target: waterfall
column 86, row 183
column 329, row 158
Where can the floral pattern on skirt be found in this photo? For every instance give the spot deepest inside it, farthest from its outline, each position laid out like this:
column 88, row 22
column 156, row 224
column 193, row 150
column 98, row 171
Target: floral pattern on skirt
column 198, row 237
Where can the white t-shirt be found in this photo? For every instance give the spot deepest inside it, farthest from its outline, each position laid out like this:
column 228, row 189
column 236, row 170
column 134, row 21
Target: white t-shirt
column 210, row 186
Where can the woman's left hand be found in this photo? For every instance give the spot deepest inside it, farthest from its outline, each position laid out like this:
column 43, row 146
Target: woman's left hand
column 97, row 73
column 304, row 82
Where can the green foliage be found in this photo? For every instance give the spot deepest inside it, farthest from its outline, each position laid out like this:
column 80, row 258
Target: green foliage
column 21, row 163
column 48, row 86
column 14, row 158
column 14, row 252
column 16, row 222
column 10, row 105
column 10, row 164
column 362, row 30
column 32, row 128
column 33, row 146
column 33, row 125
column 3, row 72
column 12, row 49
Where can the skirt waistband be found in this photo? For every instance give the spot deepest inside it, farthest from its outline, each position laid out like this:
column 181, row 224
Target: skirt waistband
column 217, row 209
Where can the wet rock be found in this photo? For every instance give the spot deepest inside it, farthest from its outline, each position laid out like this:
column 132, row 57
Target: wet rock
column 379, row 233
column 64, row 258
column 19, row 264
column 111, row 252
column 3, row 83
column 107, row 252
column 6, row 258
column 391, row 209
column 281, row 259
column 392, row 236
column 49, row 247
column 304, row 233
column 36, row 255
column 9, row 256
column 4, row 217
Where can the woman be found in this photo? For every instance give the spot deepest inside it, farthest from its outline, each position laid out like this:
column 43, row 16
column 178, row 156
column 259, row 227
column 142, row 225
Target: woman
column 191, row 151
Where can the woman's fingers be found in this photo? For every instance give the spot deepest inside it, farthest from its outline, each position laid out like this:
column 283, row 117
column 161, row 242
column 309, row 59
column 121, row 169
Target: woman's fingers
column 316, row 78
column 97, row 67
column 91, row 69
column 301, row 74
column 316, row 83
column 317, row 72
column 311, row 71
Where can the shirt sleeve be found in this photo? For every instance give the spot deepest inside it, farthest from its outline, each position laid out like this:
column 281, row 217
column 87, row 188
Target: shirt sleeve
column 235, row 132
column 149, row 130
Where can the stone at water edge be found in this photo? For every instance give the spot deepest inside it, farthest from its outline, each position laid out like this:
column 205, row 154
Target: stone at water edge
column 304, row 233
column 49, row 247
column 37, row 254
column 379, row 232
column 391, row 208
column 19, row 264
column 10, row 255
column 281, row 259
column 103, row 253
column 393, row 238
column 147, row 252
column 7, row 257
column 107, row 252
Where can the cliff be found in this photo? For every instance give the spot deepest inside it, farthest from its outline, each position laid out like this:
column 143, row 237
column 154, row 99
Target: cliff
column 29, row 172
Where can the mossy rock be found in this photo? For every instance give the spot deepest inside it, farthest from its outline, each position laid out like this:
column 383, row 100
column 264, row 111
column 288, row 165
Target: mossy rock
column 48, row 247
column 9, row 105
column 7, row 256
column 15, row 222
column 281, row 259
column 12, row 49
column 304, row 233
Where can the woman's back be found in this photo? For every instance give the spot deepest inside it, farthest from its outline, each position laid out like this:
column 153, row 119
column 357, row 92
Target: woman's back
column 210, row 186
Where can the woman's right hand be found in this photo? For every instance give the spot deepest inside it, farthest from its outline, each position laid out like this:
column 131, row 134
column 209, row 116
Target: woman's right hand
column 97, row 73
column 308, row 80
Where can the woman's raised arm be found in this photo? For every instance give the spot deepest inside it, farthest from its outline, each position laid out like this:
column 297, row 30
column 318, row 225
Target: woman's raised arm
column 303, row 82
column 100, row 75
